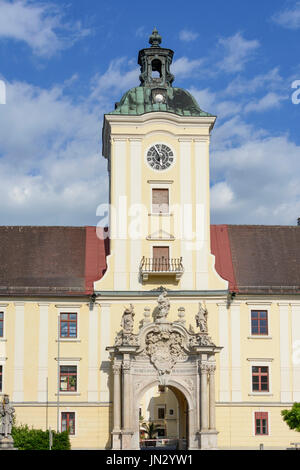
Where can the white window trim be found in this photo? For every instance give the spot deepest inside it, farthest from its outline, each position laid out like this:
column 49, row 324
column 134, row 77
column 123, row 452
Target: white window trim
column 260, row 306
column 70, row 362
column 260, row 436
column 69, row 410
column 3, row 308
column 71, row 309
column 159, row 186
column 260, row 363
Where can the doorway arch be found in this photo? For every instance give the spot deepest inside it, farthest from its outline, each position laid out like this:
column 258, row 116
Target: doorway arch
column 163, row 354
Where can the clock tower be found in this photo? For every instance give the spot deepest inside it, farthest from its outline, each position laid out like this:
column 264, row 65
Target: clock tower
column 156, row 142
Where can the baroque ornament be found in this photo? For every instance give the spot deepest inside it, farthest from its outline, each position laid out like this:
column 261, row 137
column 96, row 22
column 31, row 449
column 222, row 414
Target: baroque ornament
column 164, row 348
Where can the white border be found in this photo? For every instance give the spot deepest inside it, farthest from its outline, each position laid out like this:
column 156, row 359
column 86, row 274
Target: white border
column 71, row 309
column 261, row 307
column 260, row 363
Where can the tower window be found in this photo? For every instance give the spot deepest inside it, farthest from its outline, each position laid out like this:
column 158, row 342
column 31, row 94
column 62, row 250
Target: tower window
column 156, row 68
column 160, row 201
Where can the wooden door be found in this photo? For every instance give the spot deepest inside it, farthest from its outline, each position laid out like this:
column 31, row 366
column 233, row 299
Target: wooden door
column 161, row 258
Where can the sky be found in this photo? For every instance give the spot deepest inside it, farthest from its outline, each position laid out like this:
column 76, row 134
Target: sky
column 65, row 64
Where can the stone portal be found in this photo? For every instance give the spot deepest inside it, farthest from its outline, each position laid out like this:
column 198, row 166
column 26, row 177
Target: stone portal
column 167, row 354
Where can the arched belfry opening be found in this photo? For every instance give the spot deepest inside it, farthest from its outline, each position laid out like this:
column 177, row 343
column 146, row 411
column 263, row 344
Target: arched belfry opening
column 167, row 356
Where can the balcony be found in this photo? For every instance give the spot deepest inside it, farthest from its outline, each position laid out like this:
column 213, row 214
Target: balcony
column 161, row 267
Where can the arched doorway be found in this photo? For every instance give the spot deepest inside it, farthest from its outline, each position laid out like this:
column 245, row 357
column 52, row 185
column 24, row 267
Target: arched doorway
column 163, row 354
column 163, row 418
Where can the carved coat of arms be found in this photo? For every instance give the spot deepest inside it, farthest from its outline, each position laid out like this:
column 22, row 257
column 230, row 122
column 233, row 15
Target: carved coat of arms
column 164, row 348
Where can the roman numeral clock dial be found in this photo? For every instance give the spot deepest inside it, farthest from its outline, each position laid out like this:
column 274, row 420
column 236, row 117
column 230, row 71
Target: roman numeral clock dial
column 160, row 157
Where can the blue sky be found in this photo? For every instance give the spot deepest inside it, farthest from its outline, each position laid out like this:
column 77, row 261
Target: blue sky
column 66, row 63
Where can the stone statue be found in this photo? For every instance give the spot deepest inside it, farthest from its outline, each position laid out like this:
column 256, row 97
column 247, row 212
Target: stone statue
column 201, row 319
column 163, row 306
column 6, row 422
column 128, row 320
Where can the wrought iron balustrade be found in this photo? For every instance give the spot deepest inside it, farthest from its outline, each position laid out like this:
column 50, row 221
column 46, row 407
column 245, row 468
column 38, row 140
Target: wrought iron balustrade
column 161, row 266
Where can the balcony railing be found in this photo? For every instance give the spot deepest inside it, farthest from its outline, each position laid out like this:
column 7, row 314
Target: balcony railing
column 161, row 266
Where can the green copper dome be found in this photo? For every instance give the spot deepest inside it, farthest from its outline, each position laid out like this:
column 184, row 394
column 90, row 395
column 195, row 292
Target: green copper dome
column 156, row 92
column 139, row 100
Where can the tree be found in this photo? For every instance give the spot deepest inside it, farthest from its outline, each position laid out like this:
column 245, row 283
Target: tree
column 292, row 417
column 150, row 429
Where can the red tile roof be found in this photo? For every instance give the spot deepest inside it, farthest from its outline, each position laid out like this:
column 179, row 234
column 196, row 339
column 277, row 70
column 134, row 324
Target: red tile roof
column 65, row 261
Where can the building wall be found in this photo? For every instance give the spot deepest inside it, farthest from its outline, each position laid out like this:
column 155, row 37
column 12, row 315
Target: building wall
column 29, row 352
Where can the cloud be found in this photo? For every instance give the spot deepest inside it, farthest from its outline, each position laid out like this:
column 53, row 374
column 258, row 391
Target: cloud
column 184, row 67
column 51, row 168
column 289, row 18
column 40, row 26
column 211, row 102
column 260, row 181
column 240, row 85
column 237, row 52
column 267, row 102
column 187, row 35
column 120, row 76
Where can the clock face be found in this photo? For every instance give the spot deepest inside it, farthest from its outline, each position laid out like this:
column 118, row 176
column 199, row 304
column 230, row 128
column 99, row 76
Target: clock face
column 160, row 157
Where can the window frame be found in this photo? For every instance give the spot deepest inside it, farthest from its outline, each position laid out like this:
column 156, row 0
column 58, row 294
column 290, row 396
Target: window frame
column 70, row 309
column 2, row 316
column 161, row 408
column 1, row 378
column 153, row 212
column 68, row 321
column 260, row 415
column 260, row 306
column 68, row 390
column 68, row 412
column 259, row 311
column 3, row 308
column 260, row 375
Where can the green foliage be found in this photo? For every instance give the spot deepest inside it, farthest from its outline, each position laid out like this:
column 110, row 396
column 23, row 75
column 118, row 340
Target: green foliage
column 150, row 429
column 36, row 439
column 292, row 417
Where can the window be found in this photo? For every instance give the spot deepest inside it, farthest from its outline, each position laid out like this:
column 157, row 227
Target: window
column 1, row 324
column 1, row 378
column 260, row 379
column 161, row 432
column 259, row 322
column 160, row 201
column 171, row 412
column 68, row 325
column 161, row 412
column 68, row 423
column 68, row 378
column 261, row 424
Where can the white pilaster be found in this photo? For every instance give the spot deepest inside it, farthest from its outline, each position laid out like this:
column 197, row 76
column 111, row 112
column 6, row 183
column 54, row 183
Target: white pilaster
column 202, row 211
column 236, row 352
column 136, row 161
column 285, row 353
column 43, row 352
column 18, row 394
column 185, row 159
column 104, row 356
column 119, row 233
column 296, row 347
column 224, row 354
column 93, row 367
